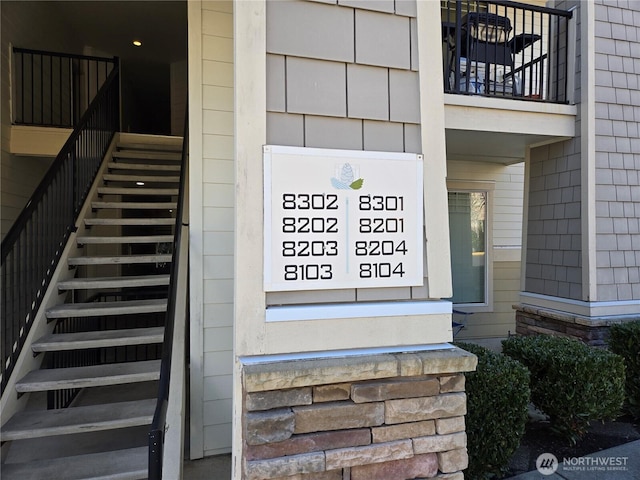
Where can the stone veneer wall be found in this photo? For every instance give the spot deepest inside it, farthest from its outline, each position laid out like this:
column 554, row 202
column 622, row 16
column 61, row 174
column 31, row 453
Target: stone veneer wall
column 386, row 417
column 593, row 331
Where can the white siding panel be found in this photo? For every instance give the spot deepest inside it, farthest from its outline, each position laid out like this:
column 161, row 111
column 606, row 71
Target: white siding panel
column 218, row 243
column 217, row 98
column 217, row 146
column 218, row 315
column 219, row 171
column 217, row 122
column 218, row 24
column 217, row 387
column 218, row 193
column 217, row 48
column 218, row 267
column 217, row 73
column 219, row 411
column 218, row 338
column 215, row 438
column 218, row 363
column 218, row 219
column 218, row 291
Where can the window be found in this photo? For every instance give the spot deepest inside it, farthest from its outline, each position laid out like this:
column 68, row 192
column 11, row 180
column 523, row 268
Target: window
column 468, row 227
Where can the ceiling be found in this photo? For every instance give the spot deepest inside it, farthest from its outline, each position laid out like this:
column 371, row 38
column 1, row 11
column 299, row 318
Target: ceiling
column 109, row 28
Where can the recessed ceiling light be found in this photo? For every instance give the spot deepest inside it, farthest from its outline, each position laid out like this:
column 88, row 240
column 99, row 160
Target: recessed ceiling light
column 137, row 43
column 140, row 184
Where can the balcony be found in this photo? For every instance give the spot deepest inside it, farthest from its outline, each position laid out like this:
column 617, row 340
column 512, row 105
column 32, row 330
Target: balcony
column 508, row 78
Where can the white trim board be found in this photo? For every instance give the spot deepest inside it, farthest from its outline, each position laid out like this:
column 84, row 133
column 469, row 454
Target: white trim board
column 582, row 308
column 356, row 310
column 255, row 360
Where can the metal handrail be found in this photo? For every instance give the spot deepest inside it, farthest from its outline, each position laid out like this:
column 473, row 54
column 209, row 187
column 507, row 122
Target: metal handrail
column 33, row 246
column 54, row 89
column 506, row 49
column 157, row 430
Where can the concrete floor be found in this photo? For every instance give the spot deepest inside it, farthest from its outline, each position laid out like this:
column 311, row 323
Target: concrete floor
column 217, row 467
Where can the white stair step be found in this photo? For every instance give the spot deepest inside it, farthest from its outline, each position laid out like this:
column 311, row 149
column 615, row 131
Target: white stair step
column 111, row 177
column 125, row 240
column 95, row 309
column 94, row 376
column 148, row 155
column 114, row 282
column 129, row 464
column 130, row 221
column 65, row 421
column 143, row 166
column 136, row 191
column 163, row 147
column 135, row 205
column 119, row 260
column 56, row 342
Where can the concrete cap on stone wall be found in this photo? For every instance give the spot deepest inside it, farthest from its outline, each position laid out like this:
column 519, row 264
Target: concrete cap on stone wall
column 322, row 371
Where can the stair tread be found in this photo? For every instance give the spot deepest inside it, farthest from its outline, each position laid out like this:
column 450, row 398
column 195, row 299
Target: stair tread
column 64, row 421
column 92, row 376
column 119, row 259
column 125, row 307
column 130, row 221
column 128, row 239
column 163, row 147
column 114, row 282
column 135, row 205
column 128, row 464
column 147, row 155
column 98, row 339
column 112, row 177
column 137, row 191
column 143, row 166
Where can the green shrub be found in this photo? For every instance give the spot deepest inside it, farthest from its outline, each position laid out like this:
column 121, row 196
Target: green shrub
column 497, row 399
column 571, row 382
column 624, row 340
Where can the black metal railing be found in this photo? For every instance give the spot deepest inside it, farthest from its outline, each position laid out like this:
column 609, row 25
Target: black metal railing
column 32, row 248
column 505, row 49
column 55, row 89
column 157, row 430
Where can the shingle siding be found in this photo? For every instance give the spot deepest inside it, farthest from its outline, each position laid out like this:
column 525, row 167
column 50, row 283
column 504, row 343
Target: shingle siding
column 554, row 229
column 353, row 59
column 343, row 75
column 617, row 44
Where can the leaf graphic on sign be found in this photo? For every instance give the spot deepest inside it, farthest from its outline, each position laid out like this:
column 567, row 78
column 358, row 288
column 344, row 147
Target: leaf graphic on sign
column 357, row 185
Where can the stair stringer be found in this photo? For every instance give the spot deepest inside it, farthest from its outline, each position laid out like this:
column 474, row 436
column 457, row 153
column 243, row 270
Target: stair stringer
column 11, row 402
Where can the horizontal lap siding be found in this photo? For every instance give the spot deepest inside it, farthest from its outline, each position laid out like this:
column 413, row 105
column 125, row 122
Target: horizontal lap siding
column 506, row 222
column 218, row 224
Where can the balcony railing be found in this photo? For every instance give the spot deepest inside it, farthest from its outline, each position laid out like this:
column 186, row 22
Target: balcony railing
column 32, row 248
column 506, row 49
column 54, row 89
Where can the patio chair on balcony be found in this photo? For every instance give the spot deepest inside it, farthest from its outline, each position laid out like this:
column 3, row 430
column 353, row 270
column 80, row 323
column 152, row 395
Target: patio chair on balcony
column 484, row 42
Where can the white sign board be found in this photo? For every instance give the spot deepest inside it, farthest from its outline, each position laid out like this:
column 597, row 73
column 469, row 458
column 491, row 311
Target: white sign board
column 342, row 219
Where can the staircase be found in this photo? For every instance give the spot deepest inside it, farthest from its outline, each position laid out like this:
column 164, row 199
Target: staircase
column 103, row 355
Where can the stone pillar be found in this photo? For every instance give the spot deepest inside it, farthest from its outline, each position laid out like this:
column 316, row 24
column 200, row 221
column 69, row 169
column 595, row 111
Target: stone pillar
column 387, row 417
